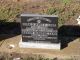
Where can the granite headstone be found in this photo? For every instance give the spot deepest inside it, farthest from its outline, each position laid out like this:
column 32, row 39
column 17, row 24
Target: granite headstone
column 39, row 29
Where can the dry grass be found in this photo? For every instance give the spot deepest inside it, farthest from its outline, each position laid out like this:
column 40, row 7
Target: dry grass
column 68, row 10
column 11, row 56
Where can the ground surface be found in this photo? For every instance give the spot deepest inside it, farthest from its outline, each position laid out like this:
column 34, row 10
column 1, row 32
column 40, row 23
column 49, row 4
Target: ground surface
column 73, row 49
column 69, row 14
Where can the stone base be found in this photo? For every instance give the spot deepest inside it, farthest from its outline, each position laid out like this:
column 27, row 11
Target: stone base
column 39, row 45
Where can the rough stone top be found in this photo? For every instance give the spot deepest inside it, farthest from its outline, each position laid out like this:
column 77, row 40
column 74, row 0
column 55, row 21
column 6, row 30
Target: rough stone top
column 38, row 15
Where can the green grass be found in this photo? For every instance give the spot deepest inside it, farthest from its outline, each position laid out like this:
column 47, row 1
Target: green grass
column 66, row 1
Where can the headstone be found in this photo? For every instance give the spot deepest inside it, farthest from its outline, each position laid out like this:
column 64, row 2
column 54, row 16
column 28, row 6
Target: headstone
column 39, row 31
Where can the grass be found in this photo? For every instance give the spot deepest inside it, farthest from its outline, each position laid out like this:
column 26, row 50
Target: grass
column 6, row 56
column 67, row 10
column 66, row 1
column 9, row 11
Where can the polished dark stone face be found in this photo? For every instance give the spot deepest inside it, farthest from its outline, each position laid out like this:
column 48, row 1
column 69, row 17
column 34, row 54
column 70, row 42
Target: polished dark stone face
column 39, row 29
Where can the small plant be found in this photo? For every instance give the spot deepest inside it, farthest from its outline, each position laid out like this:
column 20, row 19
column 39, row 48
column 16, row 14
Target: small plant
column 66, row 1
column 51, row 11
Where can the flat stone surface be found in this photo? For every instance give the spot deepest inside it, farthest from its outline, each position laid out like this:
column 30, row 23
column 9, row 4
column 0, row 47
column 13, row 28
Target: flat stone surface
column 39, row 45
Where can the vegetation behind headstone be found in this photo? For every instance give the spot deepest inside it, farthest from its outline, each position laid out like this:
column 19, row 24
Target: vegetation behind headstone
column 67, row 10
column 9, row 11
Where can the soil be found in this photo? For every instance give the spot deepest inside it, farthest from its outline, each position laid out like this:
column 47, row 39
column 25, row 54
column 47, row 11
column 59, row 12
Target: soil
column 73, row 48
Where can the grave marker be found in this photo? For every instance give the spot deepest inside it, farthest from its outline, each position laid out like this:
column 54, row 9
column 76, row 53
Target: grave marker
column 39, row 31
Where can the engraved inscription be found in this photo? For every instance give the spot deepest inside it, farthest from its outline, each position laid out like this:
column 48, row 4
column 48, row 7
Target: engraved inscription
column 35, row 24
column 39, row 29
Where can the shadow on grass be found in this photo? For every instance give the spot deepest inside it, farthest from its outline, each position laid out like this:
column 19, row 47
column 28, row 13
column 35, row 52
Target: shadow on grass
column 68, row 33
column 9, row 29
